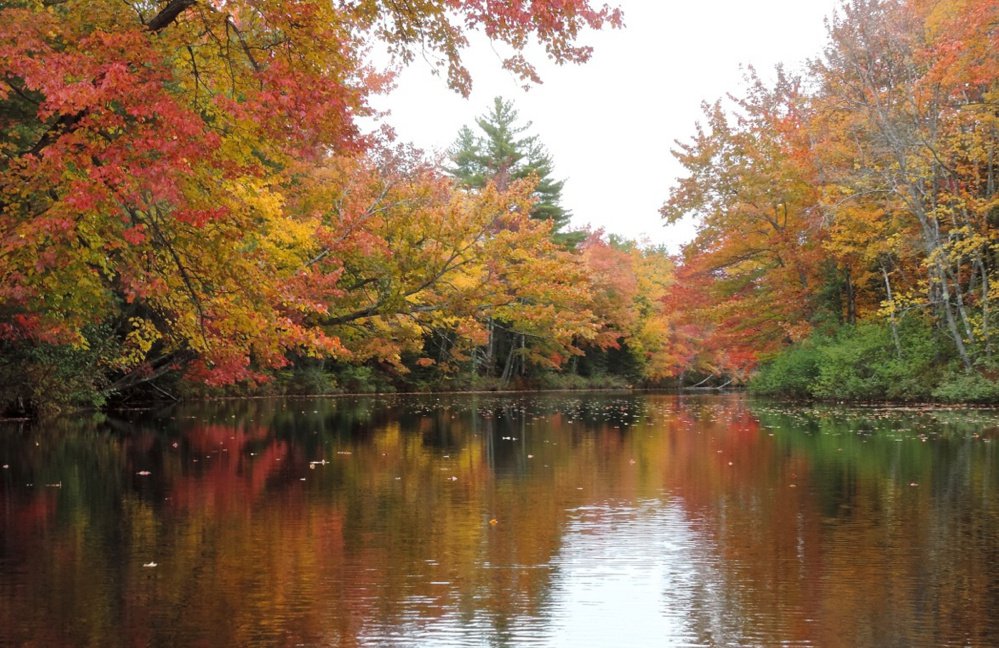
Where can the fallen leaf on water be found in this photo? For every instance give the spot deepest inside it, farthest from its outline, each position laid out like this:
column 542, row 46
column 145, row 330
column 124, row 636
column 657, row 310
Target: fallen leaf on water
column 143, row 473
column 149, row 564
column 493, row 522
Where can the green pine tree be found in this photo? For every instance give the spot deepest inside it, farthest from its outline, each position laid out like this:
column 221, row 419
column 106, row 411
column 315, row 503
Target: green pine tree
column 504, row 152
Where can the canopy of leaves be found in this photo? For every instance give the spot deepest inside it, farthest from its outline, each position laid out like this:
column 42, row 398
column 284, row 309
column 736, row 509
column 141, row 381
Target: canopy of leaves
column 867, row 189
column 183, row 185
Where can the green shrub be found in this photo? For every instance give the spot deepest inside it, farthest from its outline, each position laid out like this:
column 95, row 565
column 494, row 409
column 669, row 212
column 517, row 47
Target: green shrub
column 857, row 363
column 362, row 379
column 46, row 379
column 792, row 374
column 967, row 388
column 913, row 376
column 555, row 380
column 472, row 382
column 849, row 364
column 310, row 379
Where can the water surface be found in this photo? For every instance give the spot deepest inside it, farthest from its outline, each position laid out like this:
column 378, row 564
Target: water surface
column 550, row 520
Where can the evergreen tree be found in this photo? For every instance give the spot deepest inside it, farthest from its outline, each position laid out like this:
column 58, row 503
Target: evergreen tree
column 504, row 152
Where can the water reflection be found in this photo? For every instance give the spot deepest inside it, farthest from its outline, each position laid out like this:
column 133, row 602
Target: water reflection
column 505, row 521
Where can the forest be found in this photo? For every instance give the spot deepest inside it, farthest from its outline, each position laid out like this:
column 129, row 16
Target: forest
column 189, row 208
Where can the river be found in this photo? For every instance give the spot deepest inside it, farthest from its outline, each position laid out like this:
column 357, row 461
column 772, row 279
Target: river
column 502, row 520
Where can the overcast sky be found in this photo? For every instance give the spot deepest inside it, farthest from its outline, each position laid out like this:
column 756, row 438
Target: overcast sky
column 610, row 123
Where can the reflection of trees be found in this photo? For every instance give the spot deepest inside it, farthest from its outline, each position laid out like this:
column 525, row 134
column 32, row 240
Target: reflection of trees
column 392, row 533
column 894, row 532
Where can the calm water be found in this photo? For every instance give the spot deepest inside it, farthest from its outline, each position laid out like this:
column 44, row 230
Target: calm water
column 597, row 520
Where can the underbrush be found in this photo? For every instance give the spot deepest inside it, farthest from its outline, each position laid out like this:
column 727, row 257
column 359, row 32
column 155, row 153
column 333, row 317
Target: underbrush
column 866, row 363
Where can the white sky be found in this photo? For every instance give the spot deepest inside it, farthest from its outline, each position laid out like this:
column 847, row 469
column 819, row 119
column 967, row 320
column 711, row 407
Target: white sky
column 610, row 123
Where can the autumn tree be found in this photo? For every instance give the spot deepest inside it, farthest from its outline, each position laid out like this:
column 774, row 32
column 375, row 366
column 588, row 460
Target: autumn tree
column 914, row 127
column 751, row 185
column 629, row 284
column 501, row 154
column 866, row 191
column 412, row 256
column 151, row 153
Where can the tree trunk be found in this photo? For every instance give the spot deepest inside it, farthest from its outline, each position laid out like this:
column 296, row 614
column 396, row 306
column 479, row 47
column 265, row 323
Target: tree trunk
column 891, row 314
column 523, row 356
column 851, row 300
column 508, row 367
column 491, row 348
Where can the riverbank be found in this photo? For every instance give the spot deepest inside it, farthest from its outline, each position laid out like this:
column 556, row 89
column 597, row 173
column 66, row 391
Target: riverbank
column 873, row 362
